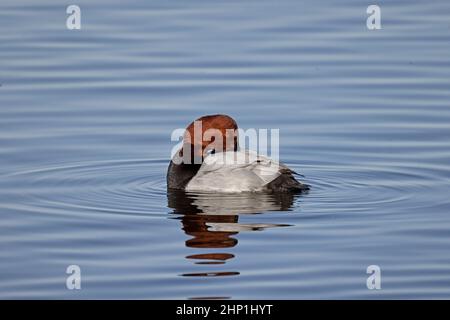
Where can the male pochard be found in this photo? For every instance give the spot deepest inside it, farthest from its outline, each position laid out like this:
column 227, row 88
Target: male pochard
column 215, row 163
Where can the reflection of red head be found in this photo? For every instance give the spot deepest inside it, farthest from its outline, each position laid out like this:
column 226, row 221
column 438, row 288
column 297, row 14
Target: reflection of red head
column 197, row 227
column 214, row 132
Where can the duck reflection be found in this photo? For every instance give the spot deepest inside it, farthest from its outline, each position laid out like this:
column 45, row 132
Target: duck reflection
column 212, row 222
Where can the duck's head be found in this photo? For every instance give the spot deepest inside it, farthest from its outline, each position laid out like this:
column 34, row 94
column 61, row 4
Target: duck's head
column 209, row 134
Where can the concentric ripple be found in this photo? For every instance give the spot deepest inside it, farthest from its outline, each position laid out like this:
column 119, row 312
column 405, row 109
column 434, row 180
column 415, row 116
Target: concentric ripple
column 363, row 188
column 139, row 187
column 122, row 187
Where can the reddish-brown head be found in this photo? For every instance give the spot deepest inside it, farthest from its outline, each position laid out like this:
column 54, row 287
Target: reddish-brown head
column 213, row 133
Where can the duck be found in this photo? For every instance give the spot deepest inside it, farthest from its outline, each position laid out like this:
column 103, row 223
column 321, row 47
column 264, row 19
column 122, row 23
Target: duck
column 216, row 164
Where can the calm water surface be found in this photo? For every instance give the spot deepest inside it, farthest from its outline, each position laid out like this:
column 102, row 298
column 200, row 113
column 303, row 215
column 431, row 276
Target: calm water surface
column 85, row 124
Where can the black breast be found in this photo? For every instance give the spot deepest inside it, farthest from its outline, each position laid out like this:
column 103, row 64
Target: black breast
column 179, row 175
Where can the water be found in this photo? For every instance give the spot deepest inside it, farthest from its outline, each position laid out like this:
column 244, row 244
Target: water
column 85, row 124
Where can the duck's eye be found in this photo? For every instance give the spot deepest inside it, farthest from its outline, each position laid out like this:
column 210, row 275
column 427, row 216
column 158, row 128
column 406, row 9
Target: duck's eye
column 211, row 151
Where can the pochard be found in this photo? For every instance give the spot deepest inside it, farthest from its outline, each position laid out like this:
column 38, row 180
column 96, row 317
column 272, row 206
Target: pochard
column 215, row 163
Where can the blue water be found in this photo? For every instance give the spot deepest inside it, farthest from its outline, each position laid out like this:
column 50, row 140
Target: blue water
column 85, row 123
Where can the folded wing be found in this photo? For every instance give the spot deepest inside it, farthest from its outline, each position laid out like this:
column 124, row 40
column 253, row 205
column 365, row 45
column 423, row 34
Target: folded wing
column 238, row 171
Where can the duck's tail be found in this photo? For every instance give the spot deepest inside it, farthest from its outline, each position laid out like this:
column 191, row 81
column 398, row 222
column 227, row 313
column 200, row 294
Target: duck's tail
column 286, row 182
